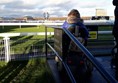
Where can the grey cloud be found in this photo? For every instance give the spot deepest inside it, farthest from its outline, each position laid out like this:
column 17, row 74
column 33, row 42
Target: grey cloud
column 17, row 5
column 60, row 9
column 21, row 8
column 94, row 4
column 17, row 8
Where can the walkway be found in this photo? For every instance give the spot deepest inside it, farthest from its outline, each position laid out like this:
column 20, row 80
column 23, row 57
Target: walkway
column 55, row 72
column 95, row 77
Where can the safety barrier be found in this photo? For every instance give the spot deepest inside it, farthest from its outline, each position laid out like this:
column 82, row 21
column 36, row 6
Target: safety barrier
column 64, row 64
column 98, row 66
column 13, row 50
column 87, row 53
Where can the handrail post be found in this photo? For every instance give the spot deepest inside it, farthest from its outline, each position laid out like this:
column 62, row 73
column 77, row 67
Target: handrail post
column 46, row 41
column 7, row 48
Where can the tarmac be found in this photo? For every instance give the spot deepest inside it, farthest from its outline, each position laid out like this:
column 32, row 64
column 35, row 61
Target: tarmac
column 52, row 65
column 105, row 61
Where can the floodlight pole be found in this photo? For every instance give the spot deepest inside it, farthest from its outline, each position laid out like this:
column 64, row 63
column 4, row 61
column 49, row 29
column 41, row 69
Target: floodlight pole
column 46, row 15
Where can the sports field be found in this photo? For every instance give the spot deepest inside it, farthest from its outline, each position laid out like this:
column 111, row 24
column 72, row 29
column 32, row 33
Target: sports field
column 35, row 70
column 14, row 29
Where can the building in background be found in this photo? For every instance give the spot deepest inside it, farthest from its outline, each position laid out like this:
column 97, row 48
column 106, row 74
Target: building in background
column 101, row 12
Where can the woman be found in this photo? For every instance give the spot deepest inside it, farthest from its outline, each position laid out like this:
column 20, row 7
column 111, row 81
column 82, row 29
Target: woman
column 115, row 27
column 72, row 21
column 75, row 25
column 115, row 33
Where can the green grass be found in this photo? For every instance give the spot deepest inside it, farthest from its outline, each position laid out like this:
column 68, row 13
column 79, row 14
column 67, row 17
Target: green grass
column 14, row 29
column 38, row 28
column 22, row 44
column 2, row 64
column 32, row 71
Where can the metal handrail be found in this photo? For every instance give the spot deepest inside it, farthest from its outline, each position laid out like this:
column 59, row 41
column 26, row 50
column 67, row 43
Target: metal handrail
column 56, row 53
column 98, row 66
column 64, row 64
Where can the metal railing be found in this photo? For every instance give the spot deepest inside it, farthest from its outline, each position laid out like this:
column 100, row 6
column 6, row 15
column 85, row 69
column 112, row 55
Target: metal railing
column 56, row 53
column 64, row 64
column 87, row 53
column 98, row 66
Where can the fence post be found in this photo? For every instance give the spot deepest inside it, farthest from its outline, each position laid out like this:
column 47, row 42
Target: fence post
column 7, row 48
column 46, row 41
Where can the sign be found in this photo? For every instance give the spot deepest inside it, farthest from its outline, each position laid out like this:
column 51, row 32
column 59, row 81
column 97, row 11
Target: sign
column 93, row 31
column 93, row 34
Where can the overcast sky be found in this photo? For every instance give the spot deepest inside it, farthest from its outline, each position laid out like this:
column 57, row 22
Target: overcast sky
column 59, row 8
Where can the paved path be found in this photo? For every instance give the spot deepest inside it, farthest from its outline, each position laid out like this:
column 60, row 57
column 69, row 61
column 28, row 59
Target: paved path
column 55, row 72
column 95, row 77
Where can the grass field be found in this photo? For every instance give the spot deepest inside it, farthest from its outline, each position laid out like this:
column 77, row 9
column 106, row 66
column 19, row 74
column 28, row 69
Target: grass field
column 14, row 29
column 27, row 71
column 22, row 44
column 31, row 71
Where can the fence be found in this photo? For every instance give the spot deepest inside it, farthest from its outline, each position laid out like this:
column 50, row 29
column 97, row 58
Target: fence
column 19, row 50
column 103, row 45
column 2, row 50
column 9, row 49
column 14, row 46
column 26, row 49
